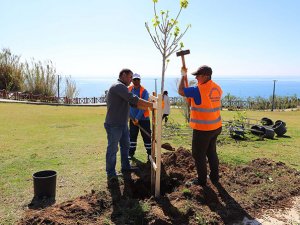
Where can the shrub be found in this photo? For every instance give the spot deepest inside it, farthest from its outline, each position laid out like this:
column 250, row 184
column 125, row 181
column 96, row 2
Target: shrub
column 71, row 90
column 11, row 78
column 40, row 78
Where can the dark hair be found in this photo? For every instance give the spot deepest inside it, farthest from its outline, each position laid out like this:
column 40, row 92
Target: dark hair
column 165, row 93
column 126, row 71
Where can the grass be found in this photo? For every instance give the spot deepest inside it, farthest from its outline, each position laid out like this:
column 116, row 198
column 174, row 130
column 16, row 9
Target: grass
column 72, row 141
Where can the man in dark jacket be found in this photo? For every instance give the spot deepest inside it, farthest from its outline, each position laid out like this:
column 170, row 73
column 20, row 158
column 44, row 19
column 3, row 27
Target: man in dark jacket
column 119, row 99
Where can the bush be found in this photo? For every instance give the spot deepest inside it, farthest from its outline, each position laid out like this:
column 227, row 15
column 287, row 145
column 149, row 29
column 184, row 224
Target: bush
column 71, row 90
column 11, row 77
column 40, row 78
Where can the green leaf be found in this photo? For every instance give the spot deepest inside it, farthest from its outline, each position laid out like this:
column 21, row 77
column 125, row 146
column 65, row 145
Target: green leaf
column 173, row 22
column 155, row 21
column 177, row 30
column 155, row 1
column 181, row 45
column 184, row 3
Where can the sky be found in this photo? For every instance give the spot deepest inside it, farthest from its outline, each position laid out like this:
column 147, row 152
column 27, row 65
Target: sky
column 96, row 38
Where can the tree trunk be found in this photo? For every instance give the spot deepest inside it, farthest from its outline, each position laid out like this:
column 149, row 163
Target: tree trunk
column 163, row 75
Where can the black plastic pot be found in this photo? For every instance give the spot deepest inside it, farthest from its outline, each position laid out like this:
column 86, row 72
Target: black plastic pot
column 266, row 121
column 44, row 184
column 258, row 130
column 278, row 121
column 269, row 133
column 279, row 128
column 237, row 132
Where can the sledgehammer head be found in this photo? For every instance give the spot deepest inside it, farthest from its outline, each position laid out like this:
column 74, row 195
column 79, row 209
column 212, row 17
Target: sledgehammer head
column 183, row 52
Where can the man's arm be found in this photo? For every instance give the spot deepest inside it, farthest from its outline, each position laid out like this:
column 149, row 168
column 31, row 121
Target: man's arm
column 143, row 104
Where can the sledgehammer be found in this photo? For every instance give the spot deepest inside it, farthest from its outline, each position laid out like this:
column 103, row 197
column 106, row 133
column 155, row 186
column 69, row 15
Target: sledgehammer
column 182, row 54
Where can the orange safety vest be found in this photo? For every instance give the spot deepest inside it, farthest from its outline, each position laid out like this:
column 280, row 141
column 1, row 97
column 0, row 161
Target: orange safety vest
column 146, row 112
column 207, row 116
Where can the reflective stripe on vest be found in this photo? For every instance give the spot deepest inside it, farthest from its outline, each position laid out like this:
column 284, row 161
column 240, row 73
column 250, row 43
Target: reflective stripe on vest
column 206, row 116
column 206, row 110
column 146, row 112
column 206, row 121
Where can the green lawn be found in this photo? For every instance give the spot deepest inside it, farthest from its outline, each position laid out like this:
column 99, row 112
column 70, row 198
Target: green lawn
column 72, row 141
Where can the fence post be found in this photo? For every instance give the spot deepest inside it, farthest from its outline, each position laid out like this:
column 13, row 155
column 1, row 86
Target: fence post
column 4, row 94
column 273, row 95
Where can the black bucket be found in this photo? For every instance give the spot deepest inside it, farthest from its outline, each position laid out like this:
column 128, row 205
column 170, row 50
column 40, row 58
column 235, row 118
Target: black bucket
column 278, row 121
column 266, row 121
column 269, row 133
column 44, row 184
column 279, row 128
column 237, row 132
column 258, row 130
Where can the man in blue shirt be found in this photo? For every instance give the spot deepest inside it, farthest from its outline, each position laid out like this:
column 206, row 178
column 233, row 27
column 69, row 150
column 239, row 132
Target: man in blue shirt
column 139, row 118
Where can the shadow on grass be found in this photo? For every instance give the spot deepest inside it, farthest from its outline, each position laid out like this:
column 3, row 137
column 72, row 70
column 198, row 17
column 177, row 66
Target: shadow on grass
column 230, row 210
column 167, row 186
column 41, row 203
column 126, row 209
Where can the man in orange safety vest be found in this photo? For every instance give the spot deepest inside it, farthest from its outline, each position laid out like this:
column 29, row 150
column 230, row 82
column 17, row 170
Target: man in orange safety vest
column 205, row 120
column 139, row 119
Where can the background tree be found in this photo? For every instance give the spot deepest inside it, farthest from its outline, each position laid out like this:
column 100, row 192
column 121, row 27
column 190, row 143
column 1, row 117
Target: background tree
column 11, row 77
column 71, row 90
column 166, row 35
column 40, row 77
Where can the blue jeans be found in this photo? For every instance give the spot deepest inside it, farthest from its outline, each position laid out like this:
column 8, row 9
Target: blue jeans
column 116, row 134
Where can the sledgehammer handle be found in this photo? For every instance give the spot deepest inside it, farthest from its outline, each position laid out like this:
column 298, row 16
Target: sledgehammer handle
column 186, row 83
column 182, row 53
column 183, row 61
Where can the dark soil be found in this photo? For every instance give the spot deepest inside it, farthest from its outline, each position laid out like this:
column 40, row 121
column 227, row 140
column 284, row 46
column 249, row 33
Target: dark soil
column 243, row 191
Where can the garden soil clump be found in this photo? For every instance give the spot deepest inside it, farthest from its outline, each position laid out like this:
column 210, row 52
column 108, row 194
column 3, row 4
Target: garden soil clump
column 243, row 191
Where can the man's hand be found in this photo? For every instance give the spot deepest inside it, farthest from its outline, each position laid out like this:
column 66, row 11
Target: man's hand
column 183, row 71
column 183, row 82
column 135, row 122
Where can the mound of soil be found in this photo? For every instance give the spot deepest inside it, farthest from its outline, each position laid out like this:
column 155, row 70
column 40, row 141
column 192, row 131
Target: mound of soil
column 243, row 191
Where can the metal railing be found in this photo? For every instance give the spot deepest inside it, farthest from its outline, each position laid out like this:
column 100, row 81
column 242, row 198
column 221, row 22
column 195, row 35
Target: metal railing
column 19, row 96
column 229, row 104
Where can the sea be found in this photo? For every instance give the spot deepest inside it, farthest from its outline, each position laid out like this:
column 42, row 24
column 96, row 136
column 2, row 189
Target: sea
column 239, row 87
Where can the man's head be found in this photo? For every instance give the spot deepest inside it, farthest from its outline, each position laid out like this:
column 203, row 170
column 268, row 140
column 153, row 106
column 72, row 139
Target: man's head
column 125, row 75
column 136, row 80
column 203, row 74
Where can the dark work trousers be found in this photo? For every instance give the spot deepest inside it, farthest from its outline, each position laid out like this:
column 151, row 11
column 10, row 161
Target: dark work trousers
column 134, row 131
column 204, row 145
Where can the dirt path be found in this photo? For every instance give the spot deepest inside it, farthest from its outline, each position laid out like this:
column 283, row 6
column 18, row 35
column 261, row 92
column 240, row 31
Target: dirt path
column 281, row 217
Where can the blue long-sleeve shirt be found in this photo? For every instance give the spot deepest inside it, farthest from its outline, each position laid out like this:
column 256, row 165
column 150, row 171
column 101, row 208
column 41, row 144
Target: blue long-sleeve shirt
column 193, row 92
column 136, row 113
